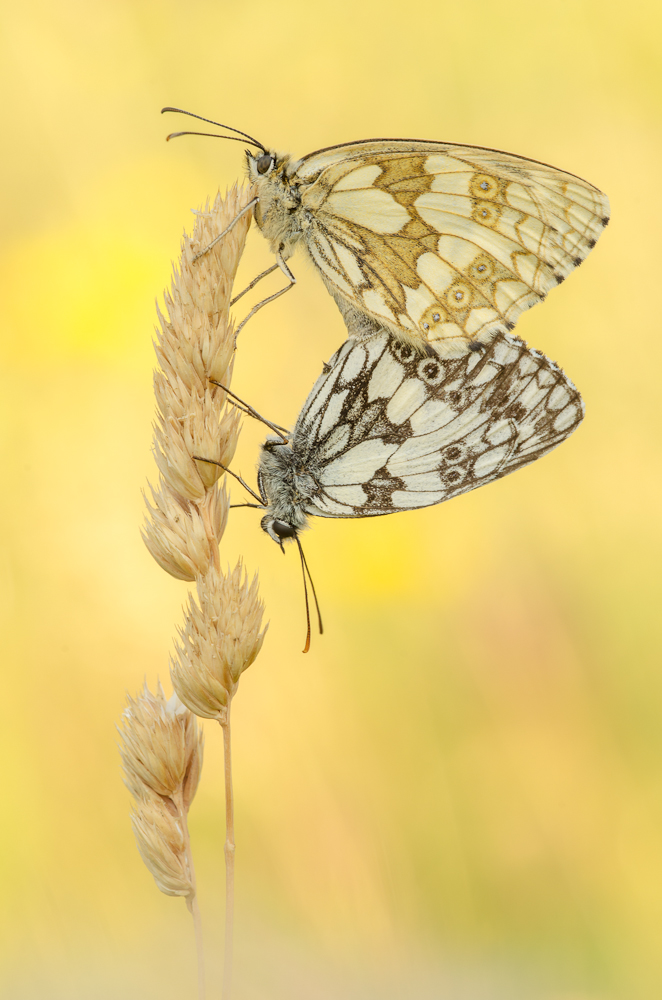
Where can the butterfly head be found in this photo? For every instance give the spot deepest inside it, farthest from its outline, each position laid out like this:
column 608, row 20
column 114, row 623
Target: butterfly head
column 268, row 165
column 278, row 530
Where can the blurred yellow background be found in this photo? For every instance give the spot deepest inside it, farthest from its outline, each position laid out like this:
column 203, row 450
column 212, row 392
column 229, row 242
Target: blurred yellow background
column 458, row 792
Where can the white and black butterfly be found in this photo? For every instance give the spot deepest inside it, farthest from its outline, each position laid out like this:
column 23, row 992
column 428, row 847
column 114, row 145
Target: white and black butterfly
column 385, row 430
column 442, row 244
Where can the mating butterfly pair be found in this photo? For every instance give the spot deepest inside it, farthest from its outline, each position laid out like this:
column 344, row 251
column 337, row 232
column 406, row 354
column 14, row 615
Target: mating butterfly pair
column 431, row 251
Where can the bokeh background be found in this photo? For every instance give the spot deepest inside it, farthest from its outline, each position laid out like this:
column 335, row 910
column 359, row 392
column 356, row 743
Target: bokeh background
column 458, row 792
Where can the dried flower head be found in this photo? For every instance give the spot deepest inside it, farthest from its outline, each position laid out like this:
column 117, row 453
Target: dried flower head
column 161, row 842
column 161, row 747
column 194, row 347
column 161, row 752
column 220, row 639
column 208, row 429
column 182, row 537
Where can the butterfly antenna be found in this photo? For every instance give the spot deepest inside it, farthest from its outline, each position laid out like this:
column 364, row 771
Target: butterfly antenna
column 304, row 568
column 211, row 135
column 305, row 594
column 209, row 121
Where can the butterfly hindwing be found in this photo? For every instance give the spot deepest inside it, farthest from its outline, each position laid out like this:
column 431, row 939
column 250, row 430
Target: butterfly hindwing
column 385, row 430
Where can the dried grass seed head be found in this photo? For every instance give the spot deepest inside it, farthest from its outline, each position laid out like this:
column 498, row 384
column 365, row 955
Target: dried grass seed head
column 220, row 639
column 161, row 747
column 178, row 535
column 162, row 846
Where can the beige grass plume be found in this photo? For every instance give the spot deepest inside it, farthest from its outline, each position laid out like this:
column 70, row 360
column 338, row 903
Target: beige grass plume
column 220, row 639
column 195, row 344
column 186, row 517
column 161, row 753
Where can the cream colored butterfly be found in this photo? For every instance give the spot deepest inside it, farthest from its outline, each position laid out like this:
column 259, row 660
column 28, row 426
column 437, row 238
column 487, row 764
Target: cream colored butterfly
column 442, row 244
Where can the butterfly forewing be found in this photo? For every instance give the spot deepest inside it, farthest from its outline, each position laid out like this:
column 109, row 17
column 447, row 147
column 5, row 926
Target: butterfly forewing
column 385, row 430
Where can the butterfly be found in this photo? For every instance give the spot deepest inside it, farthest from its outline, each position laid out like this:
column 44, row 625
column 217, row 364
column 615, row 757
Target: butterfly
column 442, row 244
column 385, row 430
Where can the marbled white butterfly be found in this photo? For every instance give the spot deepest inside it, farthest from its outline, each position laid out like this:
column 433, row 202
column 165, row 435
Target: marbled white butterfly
column 385, row 430
column 440, row 243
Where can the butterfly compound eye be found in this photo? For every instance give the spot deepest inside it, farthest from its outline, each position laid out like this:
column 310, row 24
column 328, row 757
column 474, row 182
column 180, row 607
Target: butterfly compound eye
column 283, row 530
column 278, row 530
column 264, row 163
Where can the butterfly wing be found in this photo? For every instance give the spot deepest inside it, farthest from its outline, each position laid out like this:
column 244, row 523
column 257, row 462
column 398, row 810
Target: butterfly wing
column 444, row 243
column 385, row 430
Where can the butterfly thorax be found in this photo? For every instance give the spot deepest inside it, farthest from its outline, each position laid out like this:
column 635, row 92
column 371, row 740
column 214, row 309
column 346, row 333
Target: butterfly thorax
column 279, row 212
column 287, row 485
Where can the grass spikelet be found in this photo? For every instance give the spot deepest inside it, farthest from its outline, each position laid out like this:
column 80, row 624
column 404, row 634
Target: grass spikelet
column 220, row 639
column 161, row 752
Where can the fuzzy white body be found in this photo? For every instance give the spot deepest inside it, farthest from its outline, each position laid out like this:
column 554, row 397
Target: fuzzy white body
column 289, row 481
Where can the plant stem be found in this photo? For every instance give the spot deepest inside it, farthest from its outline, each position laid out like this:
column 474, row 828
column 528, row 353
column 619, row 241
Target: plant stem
column 197, row 926
column 192, row 901
column 229, row 858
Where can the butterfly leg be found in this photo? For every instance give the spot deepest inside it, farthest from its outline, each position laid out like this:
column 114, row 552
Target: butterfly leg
column 254, row 283
column 292, row 282
column 227, row 229
column 248, row 409
column 213, row 461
